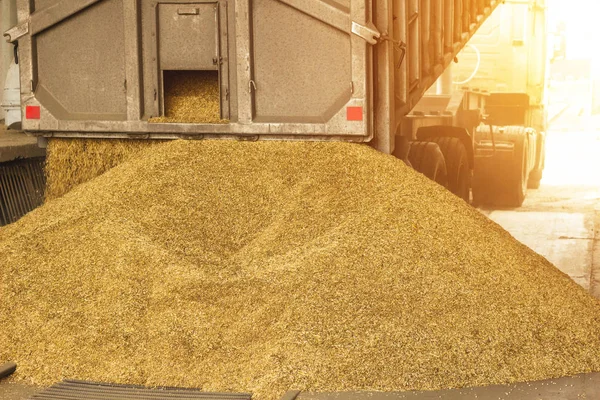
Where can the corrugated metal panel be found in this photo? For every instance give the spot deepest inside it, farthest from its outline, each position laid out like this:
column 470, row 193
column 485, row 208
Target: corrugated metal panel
column 81, row 390
column 432, row 32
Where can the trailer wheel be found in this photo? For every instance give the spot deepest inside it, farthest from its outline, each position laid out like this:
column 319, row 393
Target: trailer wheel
column 427, row 158
column 457, row 165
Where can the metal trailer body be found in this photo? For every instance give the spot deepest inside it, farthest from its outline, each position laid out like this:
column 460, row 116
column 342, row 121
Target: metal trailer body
column 288, row 69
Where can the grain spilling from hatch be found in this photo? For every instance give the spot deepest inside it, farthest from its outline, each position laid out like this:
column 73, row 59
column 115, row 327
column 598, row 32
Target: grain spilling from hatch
column 191, row 97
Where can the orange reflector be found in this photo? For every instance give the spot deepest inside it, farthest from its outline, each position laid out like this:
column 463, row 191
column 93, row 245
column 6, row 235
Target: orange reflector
column 32, row 112
column 354, row 113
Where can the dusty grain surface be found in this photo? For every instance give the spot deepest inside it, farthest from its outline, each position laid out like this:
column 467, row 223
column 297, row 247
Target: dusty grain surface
column 268, row 266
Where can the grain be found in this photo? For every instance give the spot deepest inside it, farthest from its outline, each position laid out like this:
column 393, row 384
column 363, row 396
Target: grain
column 191, row 97
column 71, row 162
column 238, row 266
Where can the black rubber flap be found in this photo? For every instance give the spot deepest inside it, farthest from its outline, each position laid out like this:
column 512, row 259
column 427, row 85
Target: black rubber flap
column 80, row 390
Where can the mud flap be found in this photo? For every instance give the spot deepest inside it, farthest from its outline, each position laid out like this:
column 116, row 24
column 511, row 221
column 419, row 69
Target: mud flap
column 493, row 173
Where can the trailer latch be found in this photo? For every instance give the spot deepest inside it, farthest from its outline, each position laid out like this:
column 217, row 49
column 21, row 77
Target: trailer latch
column 399, row 46
column 16, row 32
column 369, row 33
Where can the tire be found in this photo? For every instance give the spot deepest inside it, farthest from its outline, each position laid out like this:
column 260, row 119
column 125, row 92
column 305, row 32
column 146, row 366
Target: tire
column 457, row 166
column 427, row 158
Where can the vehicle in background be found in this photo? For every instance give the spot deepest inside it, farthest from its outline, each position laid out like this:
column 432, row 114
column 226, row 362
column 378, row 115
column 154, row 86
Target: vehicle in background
column 508, row 58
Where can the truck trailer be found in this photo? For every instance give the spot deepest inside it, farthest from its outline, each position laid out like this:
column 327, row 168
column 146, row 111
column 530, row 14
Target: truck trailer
column 328, row 70
column 346, row 70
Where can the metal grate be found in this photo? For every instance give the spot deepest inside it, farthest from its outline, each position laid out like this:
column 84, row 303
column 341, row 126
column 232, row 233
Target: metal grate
column 81, row 390
column 22, row 184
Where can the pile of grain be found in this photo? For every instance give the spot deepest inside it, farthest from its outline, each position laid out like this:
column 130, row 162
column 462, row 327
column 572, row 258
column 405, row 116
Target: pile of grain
column 268, row 266
column 191, row 97
column 71, row 162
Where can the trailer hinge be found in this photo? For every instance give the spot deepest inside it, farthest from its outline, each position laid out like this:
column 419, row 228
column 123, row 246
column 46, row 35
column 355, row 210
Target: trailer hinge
column 368, row 32
column 17, row 32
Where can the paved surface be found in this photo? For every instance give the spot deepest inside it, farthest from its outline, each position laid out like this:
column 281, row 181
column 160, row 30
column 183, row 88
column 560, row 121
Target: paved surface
column 561, row 220
column 571, row 388
column 15, row 145
column 575, row 388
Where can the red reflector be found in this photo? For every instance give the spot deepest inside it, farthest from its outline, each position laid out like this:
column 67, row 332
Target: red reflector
column 32, row 112
column 355, row 113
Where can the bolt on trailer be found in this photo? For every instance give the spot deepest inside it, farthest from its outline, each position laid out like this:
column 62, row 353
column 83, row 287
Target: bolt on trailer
column 348, row 70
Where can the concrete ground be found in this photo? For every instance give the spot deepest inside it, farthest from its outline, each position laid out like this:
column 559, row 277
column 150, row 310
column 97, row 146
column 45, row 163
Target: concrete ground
column 16, row 391
column 572, row 388
column 560, row 220
column 569, row 388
